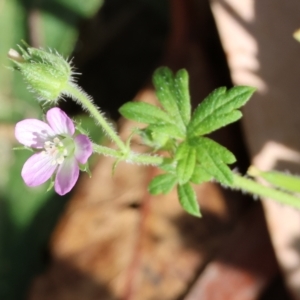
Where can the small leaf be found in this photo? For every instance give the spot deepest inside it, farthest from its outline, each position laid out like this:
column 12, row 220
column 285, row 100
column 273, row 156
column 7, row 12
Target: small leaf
column 186, row 156
column 51, row 185
column 23, row 148
column 165, row 91
column 162, row 184
column 200, row 175
column 144, row 113
column 283, row 181
column 213, row 158
column 181, row 83
column 155, row 139
column 85, row 168
column 168, row 165
column 219, row 109
column 188, row 200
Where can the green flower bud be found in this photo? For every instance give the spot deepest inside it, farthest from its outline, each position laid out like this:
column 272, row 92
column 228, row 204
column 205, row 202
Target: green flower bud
column 46, row 73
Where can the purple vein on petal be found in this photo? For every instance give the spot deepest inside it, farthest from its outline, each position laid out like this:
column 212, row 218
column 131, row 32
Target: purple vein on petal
column 83, row 148
column 60, row 122
column 66, row 177
column 33, row 133
column 37, row 169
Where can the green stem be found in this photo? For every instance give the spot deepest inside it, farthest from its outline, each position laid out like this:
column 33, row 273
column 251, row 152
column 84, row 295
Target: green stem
column 255, row 188
column 106, row 151
column 144, row 159
column 81, row 97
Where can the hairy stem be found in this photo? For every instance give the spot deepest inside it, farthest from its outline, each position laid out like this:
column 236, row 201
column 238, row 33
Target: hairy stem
column 251, row 186
column 144, row 159
column 81, row 97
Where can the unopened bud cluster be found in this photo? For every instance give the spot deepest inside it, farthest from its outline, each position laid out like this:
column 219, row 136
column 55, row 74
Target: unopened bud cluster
column 47, row 74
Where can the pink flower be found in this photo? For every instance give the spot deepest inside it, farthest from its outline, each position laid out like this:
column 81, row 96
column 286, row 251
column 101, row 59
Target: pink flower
column 61, row 153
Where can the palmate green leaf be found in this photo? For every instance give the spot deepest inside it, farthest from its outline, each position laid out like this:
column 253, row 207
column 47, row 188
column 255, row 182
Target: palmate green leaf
column 188, row 200
column 213, row 158
column 200, row 175
column 162, row 184
column 287, row 182
column 144, row 113
column 170, row 130
column 172, row 92
column 186, row 161
column 219, row 109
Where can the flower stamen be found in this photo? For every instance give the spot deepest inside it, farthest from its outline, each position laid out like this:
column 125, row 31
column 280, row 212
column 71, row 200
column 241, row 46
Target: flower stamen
column 56, row 150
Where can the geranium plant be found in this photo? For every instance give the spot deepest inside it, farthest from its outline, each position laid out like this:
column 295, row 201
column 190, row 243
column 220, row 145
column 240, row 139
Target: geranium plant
column 191, row 157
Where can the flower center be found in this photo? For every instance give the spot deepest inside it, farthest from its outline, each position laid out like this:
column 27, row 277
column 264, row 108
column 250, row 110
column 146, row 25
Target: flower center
column 58, row 149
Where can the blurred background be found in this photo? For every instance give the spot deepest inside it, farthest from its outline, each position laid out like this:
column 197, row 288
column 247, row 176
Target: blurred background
column 108, row 239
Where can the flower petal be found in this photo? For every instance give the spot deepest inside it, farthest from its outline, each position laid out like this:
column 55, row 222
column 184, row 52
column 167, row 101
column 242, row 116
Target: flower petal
column 60, row 122
column 33, row 132
column 83, row 148
column 37, row 169
column 66, row 177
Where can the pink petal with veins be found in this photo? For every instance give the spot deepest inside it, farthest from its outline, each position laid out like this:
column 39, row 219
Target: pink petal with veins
column 60, row 122
column 37, row 169
column 67, row 175
column 33, row 133
column 83, row 148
